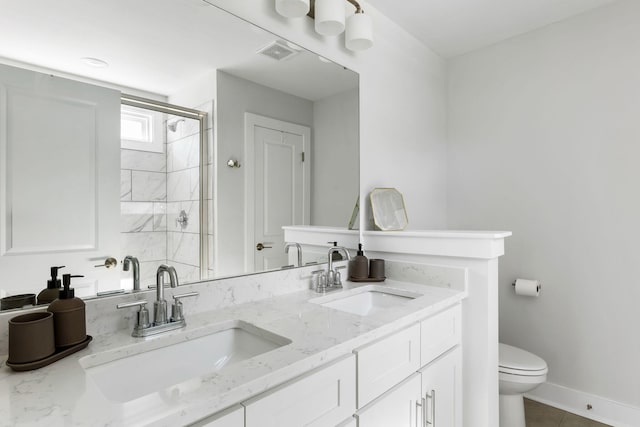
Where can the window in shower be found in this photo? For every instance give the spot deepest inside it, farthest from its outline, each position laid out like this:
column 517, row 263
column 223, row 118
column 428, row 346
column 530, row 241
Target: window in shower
column 141, row 129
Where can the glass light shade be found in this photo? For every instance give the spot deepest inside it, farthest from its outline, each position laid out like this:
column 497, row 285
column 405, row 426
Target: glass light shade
column 359, row 32
column 292, row 8
column 329, row 16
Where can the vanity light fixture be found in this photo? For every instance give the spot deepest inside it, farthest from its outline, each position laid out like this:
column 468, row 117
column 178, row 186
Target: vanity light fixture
column 329, row 16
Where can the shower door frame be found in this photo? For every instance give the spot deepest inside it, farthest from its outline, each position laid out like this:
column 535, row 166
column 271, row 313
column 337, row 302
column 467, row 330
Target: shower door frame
column 201, row 116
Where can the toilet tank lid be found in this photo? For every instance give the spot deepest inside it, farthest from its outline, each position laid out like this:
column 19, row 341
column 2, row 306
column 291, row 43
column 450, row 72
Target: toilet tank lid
column 517, row 358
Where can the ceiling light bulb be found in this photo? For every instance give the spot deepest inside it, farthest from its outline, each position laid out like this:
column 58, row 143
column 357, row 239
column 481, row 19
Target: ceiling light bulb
column 292, row 8
column 94, row 62
column 359, row 32
column 329, row 16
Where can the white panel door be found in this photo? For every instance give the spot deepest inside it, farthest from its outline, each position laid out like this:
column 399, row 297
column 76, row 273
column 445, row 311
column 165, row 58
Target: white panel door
column 280, row 187
column 59, row 178
column 442, row 390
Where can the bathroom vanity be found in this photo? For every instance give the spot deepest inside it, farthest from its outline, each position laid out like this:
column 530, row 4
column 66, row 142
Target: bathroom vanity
column 307, row 361
column 322, row 366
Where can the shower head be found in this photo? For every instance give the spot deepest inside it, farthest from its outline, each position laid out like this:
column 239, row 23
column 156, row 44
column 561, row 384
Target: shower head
column 172, row 125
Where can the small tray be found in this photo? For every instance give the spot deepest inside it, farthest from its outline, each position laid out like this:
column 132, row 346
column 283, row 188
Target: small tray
column 367, row 279
column 59, row 354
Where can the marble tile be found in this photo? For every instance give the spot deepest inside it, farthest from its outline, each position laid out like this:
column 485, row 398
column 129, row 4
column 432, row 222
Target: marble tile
column 125, row 185
column 193, row 213
column 148, row 186
column 146, row 246
column 148, row 271
column 178, row 185
column 184, row 153
column 159, row 216
column 194, row 181
column 136, row 217
column 143, row 160
column 186, row 273
column 184, row 248
column 173, row 210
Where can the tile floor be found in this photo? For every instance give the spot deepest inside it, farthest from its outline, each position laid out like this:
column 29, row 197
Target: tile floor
column 539, row 415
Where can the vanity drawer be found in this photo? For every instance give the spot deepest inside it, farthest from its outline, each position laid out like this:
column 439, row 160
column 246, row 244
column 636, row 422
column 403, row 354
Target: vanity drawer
column 439, row 333
column 386, row 362
column 325, row 397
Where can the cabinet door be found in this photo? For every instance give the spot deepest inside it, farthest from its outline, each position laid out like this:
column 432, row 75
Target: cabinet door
column 386, row 362
column 399, row 407
column 442, row 390
column 325, row 397
column 232, row 417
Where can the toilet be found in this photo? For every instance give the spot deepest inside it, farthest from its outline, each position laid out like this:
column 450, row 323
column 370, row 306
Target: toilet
column 519, row 372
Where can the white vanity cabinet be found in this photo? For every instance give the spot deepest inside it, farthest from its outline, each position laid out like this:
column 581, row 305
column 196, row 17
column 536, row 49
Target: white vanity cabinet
column 324, row 397
column 397, row 407
column 413, row 377
column 442, row 390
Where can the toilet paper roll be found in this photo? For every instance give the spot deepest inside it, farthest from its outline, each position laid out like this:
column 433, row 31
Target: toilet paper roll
column 526, row 287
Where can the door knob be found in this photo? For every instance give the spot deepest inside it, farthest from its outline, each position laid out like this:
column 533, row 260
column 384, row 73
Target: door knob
column 108, row 263
column 261, row 246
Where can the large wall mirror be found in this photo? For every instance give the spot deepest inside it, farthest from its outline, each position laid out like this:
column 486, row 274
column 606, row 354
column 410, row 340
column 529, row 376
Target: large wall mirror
column 200, row 137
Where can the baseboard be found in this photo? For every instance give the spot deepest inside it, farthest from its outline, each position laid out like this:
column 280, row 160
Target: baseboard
column 603, row 410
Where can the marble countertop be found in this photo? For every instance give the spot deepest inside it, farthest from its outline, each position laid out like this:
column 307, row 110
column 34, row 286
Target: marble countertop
column 63, row 394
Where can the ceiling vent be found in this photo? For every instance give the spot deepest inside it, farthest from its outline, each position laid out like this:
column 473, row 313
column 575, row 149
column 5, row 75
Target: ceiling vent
column 278, row 50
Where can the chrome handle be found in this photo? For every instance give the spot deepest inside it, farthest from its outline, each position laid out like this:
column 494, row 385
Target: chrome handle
column 183, row 219
column 177, row 312
column 188, row 294
column 108, row 263
column 418, row 405
column 142, row 316
column 431, row 420
column 424, row 412
column 132, row 304
column 261, row 246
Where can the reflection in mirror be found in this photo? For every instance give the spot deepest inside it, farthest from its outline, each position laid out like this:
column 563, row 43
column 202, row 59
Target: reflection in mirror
column 74, row 193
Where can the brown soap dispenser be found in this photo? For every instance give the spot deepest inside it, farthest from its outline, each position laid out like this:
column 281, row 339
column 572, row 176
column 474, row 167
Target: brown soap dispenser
column 54, row 286
column 69, row 321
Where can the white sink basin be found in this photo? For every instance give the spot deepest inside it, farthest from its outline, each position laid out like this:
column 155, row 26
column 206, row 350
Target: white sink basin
column 366, row 300
column 129, row 377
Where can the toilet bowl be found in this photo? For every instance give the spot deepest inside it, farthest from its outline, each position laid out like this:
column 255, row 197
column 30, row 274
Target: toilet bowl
column 519, row 372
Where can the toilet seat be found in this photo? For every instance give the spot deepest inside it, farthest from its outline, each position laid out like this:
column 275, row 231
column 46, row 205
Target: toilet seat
column 515, row 361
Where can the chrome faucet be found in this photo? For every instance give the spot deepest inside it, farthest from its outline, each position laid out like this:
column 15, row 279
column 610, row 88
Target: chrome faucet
column 331, row 273
column 128, row 261
column 143, row 327
column 298, row 247
column 160, row 305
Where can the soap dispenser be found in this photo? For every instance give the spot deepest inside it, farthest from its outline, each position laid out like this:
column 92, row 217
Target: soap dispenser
column 54, row 286
column 69, row 320
column 359, row 266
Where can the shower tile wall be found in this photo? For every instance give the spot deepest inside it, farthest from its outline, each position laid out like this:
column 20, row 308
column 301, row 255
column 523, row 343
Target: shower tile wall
column 143, row 195
column 183, row 193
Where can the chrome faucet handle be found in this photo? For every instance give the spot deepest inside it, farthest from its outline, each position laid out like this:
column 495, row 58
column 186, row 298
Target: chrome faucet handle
column 319, row 281
column 337, row 281
column 142, row 316
column 177, row 309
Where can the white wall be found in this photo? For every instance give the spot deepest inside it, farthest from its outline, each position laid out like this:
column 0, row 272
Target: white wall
column 235, row 97
column 544, row 140
column 335, row 170
column 402, row 106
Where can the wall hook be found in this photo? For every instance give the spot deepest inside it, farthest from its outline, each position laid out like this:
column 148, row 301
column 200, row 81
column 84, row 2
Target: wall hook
column 233, row 163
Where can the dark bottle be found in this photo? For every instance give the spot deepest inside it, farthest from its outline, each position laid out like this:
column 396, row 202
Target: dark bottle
column 69, row 319
column 54, row 286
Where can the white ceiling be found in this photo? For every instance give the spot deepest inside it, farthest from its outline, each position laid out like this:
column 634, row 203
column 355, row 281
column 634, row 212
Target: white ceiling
column 454, row 27
column 157, row 46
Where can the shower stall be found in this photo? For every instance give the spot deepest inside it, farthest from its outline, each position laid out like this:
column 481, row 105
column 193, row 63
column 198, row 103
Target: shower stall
column 164, row 191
